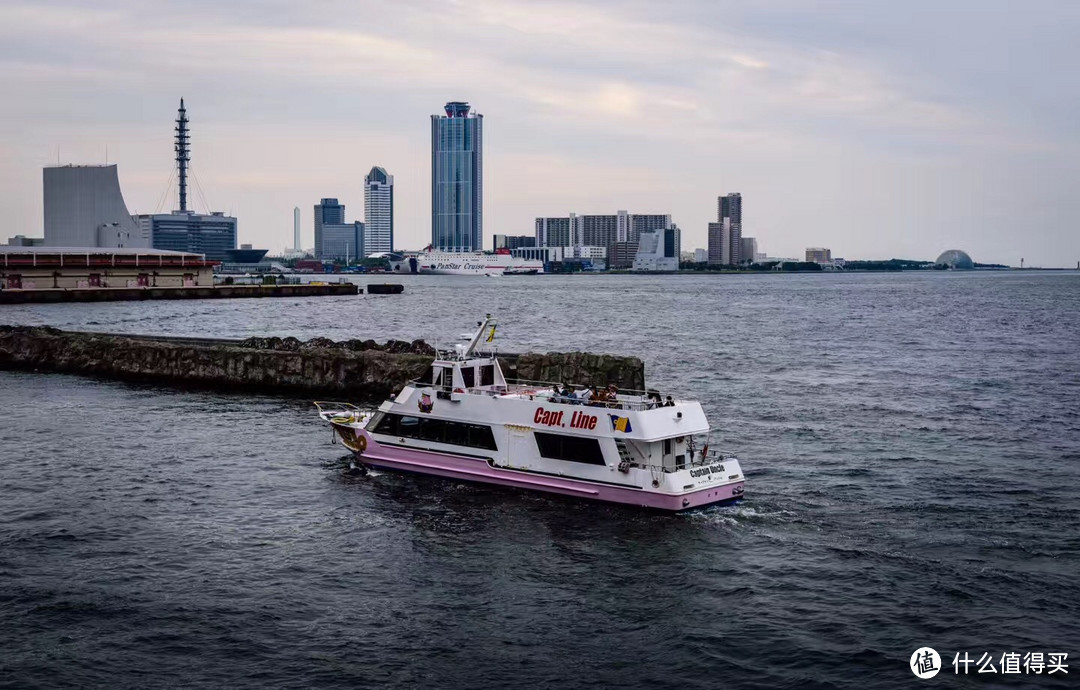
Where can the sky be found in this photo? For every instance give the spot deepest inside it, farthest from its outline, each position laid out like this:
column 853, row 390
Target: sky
column 877, row 128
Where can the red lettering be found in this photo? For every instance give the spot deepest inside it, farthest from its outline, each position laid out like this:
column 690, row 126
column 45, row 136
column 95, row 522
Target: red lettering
column 592, row 422
column 538, row 416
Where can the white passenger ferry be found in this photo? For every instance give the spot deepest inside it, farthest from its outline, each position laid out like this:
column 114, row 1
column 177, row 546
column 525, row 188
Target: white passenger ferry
column 465, row 421
column 463, row 263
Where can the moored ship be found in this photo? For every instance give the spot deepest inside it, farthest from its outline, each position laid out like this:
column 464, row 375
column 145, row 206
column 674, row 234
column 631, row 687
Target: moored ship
column 463, row 263
column 464, row 420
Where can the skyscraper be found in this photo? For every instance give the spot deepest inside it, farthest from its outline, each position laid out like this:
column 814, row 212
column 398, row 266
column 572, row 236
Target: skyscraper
column 457, row 179
column 296, row 229
column 725, row 236
column 378, row 211
column 327, row 212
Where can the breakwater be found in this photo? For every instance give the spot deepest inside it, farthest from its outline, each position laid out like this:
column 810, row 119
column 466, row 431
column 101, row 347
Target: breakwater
column 360, row 370
column 198, row 292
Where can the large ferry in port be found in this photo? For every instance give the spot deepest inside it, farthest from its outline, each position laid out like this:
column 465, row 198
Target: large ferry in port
column 463, row 263
column 463, row 420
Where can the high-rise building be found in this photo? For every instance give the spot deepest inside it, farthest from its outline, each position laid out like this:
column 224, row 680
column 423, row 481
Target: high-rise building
column 457, row 179
column 601, row 231
column 327, row 212
column 296, row 229
column 725, row 235
column 553, row 232
column 85, row 208
column 378, row 211
column 212, row 233
column 819, row 255
column 748, row 250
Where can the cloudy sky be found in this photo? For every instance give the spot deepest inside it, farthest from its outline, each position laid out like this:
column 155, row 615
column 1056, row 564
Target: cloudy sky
column 877, row 128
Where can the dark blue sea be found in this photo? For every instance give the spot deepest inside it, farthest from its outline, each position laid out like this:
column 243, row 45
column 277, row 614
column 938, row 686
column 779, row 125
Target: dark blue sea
column 911, row 442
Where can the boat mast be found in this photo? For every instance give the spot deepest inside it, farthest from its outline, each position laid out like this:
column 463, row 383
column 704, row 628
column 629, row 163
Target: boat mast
column 481, row 328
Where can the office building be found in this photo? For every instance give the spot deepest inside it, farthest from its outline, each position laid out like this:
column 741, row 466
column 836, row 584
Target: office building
column 725, row 235
column 457, row 179
column 342, row 242
column 701, row 256
column 212, row 234
column 84, row 207
column 378, row 212
column 748, row 250
column 185, row 230
column 514, row 241
column 818, row 255
column 296, row 229
column 327, row 212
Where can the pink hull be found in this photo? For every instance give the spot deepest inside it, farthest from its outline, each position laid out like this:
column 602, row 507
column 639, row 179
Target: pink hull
column 478, row 470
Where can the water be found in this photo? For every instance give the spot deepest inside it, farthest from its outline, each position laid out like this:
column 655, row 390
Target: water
column 911, row 443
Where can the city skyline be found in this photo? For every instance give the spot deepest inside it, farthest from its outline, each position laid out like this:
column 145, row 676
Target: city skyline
column 837, row 119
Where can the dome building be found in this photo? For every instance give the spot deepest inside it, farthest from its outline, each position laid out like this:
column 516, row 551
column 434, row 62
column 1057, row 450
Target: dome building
column 955, row 258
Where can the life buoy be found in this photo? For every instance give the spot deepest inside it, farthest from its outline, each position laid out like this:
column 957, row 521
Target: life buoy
column 361, row 443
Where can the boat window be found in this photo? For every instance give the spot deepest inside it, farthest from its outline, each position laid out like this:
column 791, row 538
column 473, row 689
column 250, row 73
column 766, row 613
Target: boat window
column 667, row 446
column 386, row 425
column 480, row 436
column 456, row 434
column 432, row 429
column 680, row 462
column 437, row 430
column 468, row 376
column 428, row 376
column 409, row 427
column 487, row 375
column 571, row 448
column 376, row 420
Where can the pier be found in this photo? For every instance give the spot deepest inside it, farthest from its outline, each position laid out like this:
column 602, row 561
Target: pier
column 352, row 370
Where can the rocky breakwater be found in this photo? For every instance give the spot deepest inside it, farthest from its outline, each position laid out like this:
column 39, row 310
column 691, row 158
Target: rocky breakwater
column 357, row 370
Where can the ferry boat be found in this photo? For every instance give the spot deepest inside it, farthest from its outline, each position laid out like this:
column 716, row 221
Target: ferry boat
column 464, row 420
column 463, row 263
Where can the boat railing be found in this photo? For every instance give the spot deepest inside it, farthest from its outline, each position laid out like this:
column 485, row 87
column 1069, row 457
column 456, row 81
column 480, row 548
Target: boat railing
column 627, row 399
column 698, row 461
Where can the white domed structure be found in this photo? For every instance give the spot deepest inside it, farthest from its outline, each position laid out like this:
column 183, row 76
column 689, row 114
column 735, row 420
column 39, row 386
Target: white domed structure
column 955, row 258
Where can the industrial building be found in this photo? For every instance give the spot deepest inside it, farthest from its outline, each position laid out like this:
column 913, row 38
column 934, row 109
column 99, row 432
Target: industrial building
column 28, row 268
column 84, row 208
column 658, row 250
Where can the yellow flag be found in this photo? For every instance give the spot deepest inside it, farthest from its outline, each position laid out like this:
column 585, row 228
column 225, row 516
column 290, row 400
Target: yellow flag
column 491, row 336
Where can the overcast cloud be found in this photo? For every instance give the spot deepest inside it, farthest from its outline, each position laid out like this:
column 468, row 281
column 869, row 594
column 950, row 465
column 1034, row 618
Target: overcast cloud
column 879, row 129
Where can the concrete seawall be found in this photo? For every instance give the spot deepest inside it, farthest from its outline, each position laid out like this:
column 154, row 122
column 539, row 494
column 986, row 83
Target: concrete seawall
column 354, row 370
column 198, row 292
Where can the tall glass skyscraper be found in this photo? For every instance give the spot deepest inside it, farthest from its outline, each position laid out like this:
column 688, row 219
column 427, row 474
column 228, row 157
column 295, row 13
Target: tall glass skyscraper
column 457, row 179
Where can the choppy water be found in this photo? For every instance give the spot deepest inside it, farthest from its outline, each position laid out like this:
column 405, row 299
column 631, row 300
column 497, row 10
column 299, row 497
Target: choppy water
column 911, row 441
